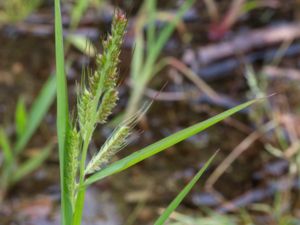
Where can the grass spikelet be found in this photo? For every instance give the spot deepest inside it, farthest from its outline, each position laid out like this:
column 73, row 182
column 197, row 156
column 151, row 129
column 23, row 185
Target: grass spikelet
column 94, row 80
column 116, row 142
column 102, row 82
column 84, row 108
column 109, row 101
column 72, row 154
column 106, row 75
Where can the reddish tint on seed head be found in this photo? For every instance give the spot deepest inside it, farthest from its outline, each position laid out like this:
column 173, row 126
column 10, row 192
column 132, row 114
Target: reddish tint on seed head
column 120, row 15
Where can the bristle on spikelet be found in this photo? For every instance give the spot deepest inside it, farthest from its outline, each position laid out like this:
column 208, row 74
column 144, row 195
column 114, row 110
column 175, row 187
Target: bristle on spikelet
column 116, row 142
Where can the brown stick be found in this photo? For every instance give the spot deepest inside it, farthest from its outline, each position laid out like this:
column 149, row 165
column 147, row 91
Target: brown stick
column 243, row 43
column 236, row 152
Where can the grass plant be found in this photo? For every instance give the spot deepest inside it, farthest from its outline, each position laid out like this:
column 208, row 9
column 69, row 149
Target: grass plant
column 78, row 11
column 148, row 49
column 96, row 98
column 282, row 144
column 176, row 202
column 12, row 168
column 16, row 10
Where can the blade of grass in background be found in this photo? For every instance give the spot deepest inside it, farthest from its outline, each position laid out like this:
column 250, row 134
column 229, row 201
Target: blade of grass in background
column 151, row 7
column 20, row 118
column 12, row 11
column 62, row 113
column 25, row 127
column 165, row 34
column 78, row 11
column 163, row 144
column 31, row 164
column 175, row 203
column 141, row 75
column 6, row 148
column 37, row 112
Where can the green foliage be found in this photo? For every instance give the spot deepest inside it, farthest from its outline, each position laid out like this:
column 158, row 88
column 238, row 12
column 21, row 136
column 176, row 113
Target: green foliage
column 258, row 86
column 12, row 168
column 78, row 11
column 96, row 98
column 6, row 148
column 37, row 112
column 31, row 164
column 16, row 10
column 176, row 202
column 95, row 104
column 161, row 145
column 144, row 64
column 62, row 114
column 20, row 118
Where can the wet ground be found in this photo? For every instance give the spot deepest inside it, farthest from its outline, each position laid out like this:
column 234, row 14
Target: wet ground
column 136, row 195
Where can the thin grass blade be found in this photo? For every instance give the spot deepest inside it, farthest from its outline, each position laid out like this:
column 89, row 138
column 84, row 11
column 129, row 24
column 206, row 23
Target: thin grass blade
column 163, row 144
column 20, row 117
column 5, row 146
column 37, row 112
column 138, row 57
column 31, row 164
column 62, row 113
column 78, row 11
column 175, row 203
column 151, row 7
column 168, row 30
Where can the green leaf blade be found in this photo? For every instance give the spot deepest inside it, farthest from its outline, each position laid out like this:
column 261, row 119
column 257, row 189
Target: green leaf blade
column 20, row 117
column 37, row 112
column 179, row 198
column 6, row 149
column 167, row 31
column 31, row 164
column 163, row 144
column 62, row 113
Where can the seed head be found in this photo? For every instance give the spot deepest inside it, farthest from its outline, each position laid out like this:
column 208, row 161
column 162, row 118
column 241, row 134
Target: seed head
column 115, row 143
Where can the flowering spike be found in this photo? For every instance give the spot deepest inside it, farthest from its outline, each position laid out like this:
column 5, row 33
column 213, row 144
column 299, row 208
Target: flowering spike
column 84, row 108
column 116, row 142
column 109, row 101
column 106, row 75
column 72, row 154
